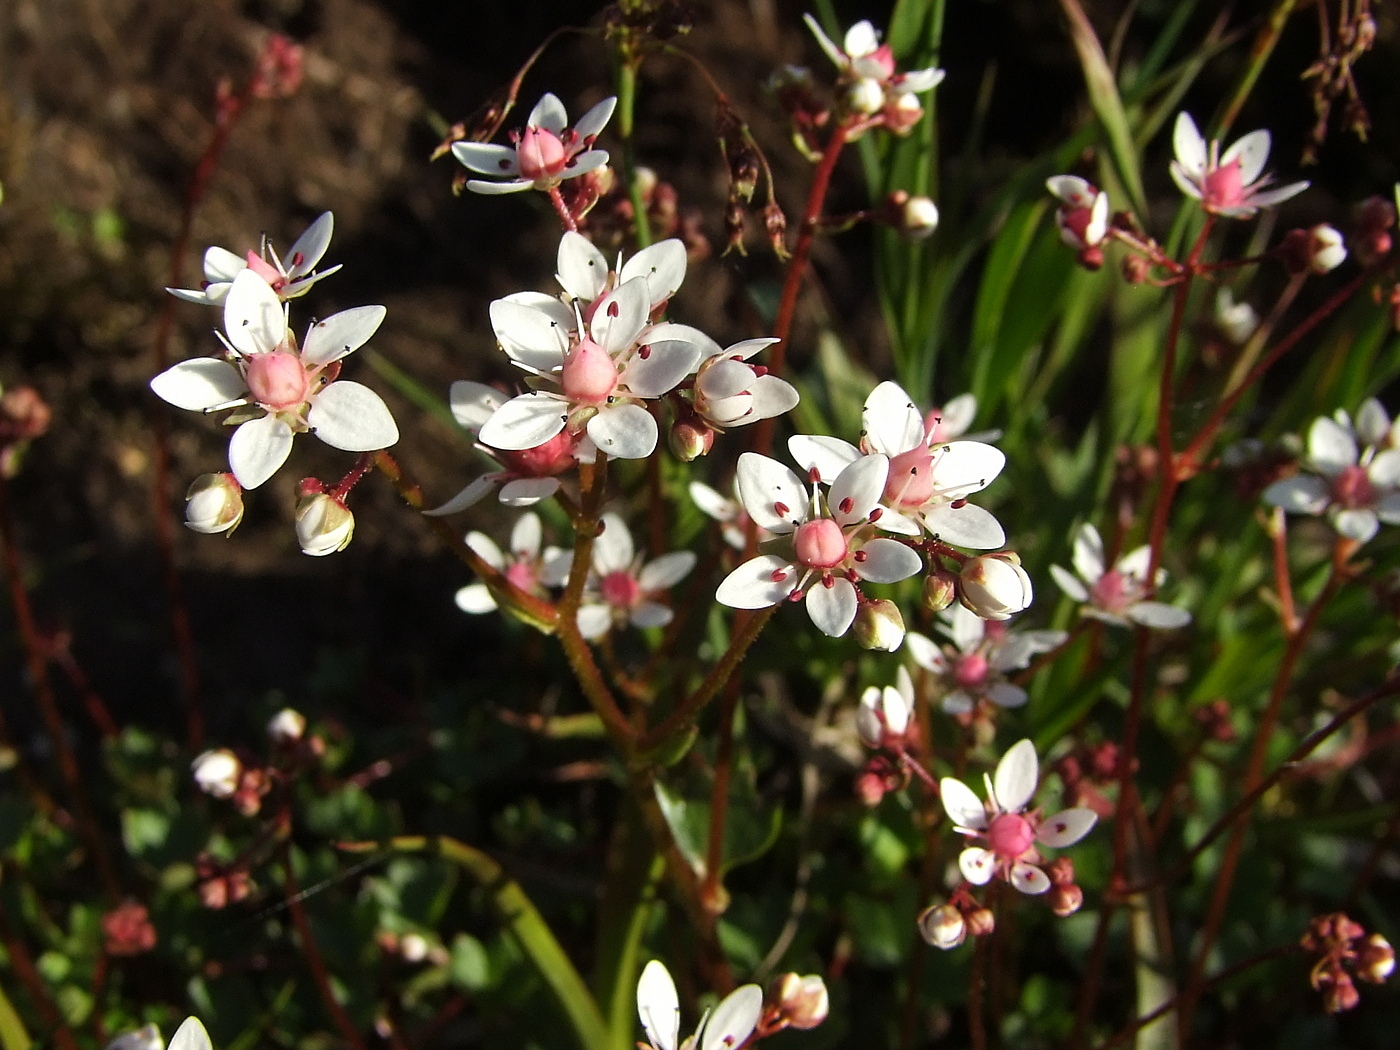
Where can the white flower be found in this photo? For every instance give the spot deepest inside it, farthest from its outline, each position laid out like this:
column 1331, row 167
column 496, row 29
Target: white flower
column 729, row 392
column 867, row 68
column 1082, row 217
column 294, row 278
column 287, row 726
column 1355, row 478
column 544, row 154
column 622, row 589
column 1117, row 595
column 726, row 1027
column 213, row 504
column 884, row 714
column 1010, row 832
column 1231, row 185
column 217, row 772
column 928, row 481
column 825, row 543
column 526, row 566
column 285, row 390
column 974, row 667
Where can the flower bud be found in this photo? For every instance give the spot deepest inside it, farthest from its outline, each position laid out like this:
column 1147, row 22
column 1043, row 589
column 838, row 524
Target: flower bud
column 994, row 586
column 214, row 504
column 128, row 930
column 940, row 590
column 1326, row 249
column 942, row 926
column 1372, row 239
column 218, row 772
column 1375, row 960
column 802, row 1002
column 878, row 625
column 1065, row 900
column 981, row 922
column 413, row 947
column 1341, row 996
column 286, row 726
column 914, row 216
column 324, row 524
column 23, row 414
column 866, row 96
column 691, row 438
column 903, row 113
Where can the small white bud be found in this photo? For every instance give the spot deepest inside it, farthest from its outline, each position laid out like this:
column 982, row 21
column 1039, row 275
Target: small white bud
column 994, row 586
column 324, row 524
column 218, row 772
column 286, row 726
column 878, row 625
column 802, row 1002
column 214, row 503
column 867, row 96
column 883, row 715
column 413, row 947
column 943, row 927
column 1326, row 249
column 920, row 217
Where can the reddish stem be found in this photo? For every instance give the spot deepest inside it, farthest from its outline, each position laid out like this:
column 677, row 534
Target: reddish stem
column 711, row 891
column 565, row 216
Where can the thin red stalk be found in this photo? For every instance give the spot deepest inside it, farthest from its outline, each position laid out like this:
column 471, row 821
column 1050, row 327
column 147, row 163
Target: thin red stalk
column 710, row 891
column 976, row 1025
column 1225, row 875
column 1283, row 580
column 562, row 210
column 36, row 665
column 319, row 975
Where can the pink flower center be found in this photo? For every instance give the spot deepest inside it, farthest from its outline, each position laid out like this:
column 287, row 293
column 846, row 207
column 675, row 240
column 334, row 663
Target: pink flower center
column 1223, row 187
column 935, row 433
column 1352, row 488
column 621, row 588
column 1077, row 221
column 1010, row 836
column 820, row 544
column 522, row 574
column 543, row 461
column 910, row 482
column 590, row 375
column 971, row 670
column 277, row 380
column 541, row 155
column 266, row 271
column 1115, row 591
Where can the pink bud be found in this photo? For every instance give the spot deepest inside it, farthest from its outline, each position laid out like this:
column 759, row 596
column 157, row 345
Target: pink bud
column 820, row 544
column 589, row 375
column 277, row 380
column 541, row 155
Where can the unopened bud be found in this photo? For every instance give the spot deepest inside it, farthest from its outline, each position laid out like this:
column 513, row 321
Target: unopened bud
column 214, row 503
column 878, row 625
column 866, row 96
column 1341, row 996
column 324, row 524
column 1375, row 960
column 942, row 926
column 1060, row 871
column 940, row 590
column 287, row 726
column 914, row 216
column 994, row 586
column 1065, row 900
column 903, row 113
column 775, row 225
column 218, row 772
column 981, row 922
column 1372, row 239
column 801, row 1002
column 1091, row 258
column 691, row 438
column 1326, row 249
column 413, row 947
column 23, row 414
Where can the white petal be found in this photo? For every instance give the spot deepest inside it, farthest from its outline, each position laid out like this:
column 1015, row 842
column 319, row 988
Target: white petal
column 306, row 250
column 257, row 449
column 663, row 266
column 977, row 865
column 594, row 621
column 1388, row 508
column 752, row 585
column 472, row 404
column 1384, row 470
column 958, row 703
column 1029, row 879
column 1189, row 145
column 1136, row 563
column 666, row 571
column 1015, row 778
column 352, row 417
column 1372, row 422
column 899, row 524
column 526, row 492
column 917, row 81
column 475, row 598
column 190, row 1036
column 624, row 431
column 222, row 265
column 666, row 363
column 888, row 561
column 968, row 526
column 1088, row 554
column 341, row 334
column 961, row 804
column 526, row 536
column 1069, row 584
column 549, row 114
column 964, row 627
column 1006, row 695
column 596, row 119
column 1252, row 151
column 1359, row 525
column 582, row 163
column 891, row 422
column 486, row 549
column 1301, row 494
column 772, row 494
column 1182, row 179
column 857, row 490
column 927, row 653
column 861, row 39
column 725, row 379
column 1015, row 650
column 771, row 397
column 1066, row 828
column 620, row 316
column 1159, row 615
column 199, row 384
column 832, row 608
column 1331, row 447
column 530, row 335
column 733, row 1020
column 686, row 333
column 583, row 272
column 1268, row 198
column 832, row 51
column 651, row 614
column 827, row 455
column 254, row 319
column 524, row 422
column 487, row 158
column 468, row 497
column 964, row 467
column 957, row 415
column 1071, row 190
column 658, row 1006
column 711, row 503
column 613, row 549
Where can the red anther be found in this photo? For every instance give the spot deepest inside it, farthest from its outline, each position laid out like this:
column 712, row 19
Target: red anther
column 613, row 309
column 876, row 513
column 854, row 577
column 847, row 505
column 828, row 581
column 814, row 475
column 643, row 351
column 860, row 555
column 958, row 504
column 780, row 509
column 298, row 258
column 797, row 596
column 778, row 575
column 204, row 284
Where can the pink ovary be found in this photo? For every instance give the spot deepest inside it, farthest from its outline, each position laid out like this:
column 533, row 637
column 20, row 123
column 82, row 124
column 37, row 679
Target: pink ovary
column 621, row 589
column 1223, row 187
column 1010, row 836
column 820, row 544
column 1352, row 488
column 541, row 155
column 910, row 482
column 277, row 380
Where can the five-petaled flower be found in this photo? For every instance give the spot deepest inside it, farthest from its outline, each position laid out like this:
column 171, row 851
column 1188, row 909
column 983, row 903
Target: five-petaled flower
column 1117, row 595
column 1011, row 834
column 1232, row 184
column 526, row 566
column 1354, row 473
column 290, row 279
column 1082, row 217
column 974, row 667
column 867, row 71
column 542, row 155
column 726, row 1027
column 280, row 389
column 621, row 589
column 822, row 546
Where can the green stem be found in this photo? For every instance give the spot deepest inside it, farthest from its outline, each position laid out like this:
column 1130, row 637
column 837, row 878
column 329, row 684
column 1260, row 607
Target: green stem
column 628, row 65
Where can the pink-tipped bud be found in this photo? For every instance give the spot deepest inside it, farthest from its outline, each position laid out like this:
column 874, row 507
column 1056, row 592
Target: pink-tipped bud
column 940, row 590
column 324, row 524
column 213, row 504
column 800, row 1002
column 981, row 922
column 691, row 438
column 1375, row 960
column 879, row 626
column 943, row 926
column 1064, row 901
column 590, row 374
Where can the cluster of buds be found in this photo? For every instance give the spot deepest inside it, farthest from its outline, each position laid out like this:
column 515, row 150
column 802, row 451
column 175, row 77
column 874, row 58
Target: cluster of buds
column 24, row 415
column 222, row 884
column 1345, row 952
column 611, row 222
column 1088, row 773
column 1082, row 217
column 222, row 774
column 127, row 930
column 871, row 88
column 1317, row 250
column 794, row 1001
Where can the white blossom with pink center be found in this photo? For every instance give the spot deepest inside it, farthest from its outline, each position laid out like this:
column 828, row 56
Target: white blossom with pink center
column 525, row 476
column 1082, row 217
column 1233, row 184
column 867, row 69
column 279, row 389
column 973, row 666
column 526, row 565
column 730, row 392
column 1011, row 834
column 288, row 279
column 1117, row 595
column 823, row 545
column 1354, row 473
column 726, row 1027
column 602, row 370
column 928, row 482
column 541, row 155
column 621, row 589
column 884, row 714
